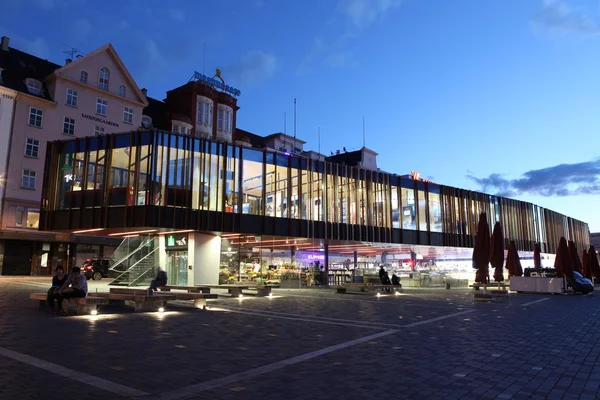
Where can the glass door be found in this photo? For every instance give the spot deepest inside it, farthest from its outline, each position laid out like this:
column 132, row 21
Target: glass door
column 177, row 268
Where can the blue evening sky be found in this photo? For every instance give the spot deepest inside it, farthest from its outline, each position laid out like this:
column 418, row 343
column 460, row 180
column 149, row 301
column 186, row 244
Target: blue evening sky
column 501, row 96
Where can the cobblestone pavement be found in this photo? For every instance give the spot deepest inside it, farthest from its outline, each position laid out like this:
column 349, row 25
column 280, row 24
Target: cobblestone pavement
column 305, row 344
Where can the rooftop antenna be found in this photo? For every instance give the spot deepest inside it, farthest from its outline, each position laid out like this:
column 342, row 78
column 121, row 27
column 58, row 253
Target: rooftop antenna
column 364, row 145
column 284, row 123
column 71, row 52
column 294, row 121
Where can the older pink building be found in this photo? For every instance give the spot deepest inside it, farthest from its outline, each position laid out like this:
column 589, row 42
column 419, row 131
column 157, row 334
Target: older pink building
column 91, row 95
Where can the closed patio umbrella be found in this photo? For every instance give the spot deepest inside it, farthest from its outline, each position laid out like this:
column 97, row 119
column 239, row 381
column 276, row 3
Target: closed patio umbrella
column 537, row 259
column 585, row 265
column 574, row 257
column 513, row 261
column 593, row 264
column 497, row 252
column 562, row 262
column 481, row 250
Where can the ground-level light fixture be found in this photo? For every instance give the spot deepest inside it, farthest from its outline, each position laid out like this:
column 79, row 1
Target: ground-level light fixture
column 161, row 309
column 94, row 312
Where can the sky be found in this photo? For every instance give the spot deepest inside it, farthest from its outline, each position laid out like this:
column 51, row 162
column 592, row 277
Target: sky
column 499, row 96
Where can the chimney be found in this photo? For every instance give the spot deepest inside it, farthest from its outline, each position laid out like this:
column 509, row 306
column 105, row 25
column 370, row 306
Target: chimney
column 4, row 44
column 145, row 92
column 68, row 61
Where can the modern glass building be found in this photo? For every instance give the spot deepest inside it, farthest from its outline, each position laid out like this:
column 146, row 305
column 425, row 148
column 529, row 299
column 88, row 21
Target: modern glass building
column 249, row 213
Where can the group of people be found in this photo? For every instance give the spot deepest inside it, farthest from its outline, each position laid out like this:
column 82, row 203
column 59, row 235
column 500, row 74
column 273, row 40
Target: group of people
column 65, row 287
column 385, row 278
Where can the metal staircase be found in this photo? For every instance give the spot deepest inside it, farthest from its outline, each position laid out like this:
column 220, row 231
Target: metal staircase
column 136, row 261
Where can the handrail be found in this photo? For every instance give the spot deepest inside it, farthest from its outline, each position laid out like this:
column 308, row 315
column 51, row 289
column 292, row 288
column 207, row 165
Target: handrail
column 133, row 266
column 128, row 256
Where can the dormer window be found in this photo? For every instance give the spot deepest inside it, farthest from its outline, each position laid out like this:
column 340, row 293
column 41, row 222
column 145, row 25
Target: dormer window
column 146, row 121
column 122, row 91
column 83, row 77
column 103, row 79
column 224, row 118
column 34, row 86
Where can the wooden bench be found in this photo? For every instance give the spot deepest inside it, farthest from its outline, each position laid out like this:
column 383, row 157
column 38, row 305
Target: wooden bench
column 394, row 288
column 234, row 290
column 189, row 289
column 199, row 298
column 263, row 290
column 363, row 287
column 139, row 297
column 85, row 305
column 485, row 286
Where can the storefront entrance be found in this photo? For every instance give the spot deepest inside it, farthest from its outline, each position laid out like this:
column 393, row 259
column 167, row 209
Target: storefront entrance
column 177, row 267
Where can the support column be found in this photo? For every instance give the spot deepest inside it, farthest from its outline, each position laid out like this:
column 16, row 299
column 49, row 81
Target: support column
column 355, row 272
column 326, row 269
column 204, row 254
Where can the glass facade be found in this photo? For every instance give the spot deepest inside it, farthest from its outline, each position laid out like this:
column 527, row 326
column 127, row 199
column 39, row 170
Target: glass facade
column 258, row 188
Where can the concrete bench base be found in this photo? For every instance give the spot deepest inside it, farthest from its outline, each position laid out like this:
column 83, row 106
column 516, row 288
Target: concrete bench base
column 141, row 301
column 85, row 305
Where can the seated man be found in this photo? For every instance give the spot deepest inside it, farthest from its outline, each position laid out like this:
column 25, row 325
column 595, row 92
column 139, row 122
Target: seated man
column 160, row 280
column 396, row 280
column 74, row 287
column 57, row 281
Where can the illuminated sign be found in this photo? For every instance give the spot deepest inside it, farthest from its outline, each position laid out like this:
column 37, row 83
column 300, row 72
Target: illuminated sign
column 180, row 241
column 216, row 83
column 316, row 257
column 415, row 175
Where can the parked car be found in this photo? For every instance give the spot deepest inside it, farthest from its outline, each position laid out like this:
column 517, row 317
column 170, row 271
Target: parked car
column 581, row 284
column 96, row 269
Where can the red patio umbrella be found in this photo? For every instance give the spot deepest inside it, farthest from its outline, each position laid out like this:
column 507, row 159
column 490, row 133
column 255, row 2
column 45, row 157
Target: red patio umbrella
column 574, row 257
column 537, row 259
column 585, row 265
column 562, row 262
column 513, row 261
column 497, row 252
column 481, row 250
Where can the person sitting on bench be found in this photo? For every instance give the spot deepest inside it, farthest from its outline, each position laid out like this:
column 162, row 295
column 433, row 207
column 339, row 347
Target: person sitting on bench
column 74, row 287
column 384, row 278
column 396, row 280
column 160, row 280
column 57, row 281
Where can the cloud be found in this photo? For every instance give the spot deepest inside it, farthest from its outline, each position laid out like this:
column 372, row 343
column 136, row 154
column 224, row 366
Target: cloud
column 558, row 16
column 559, row 180
column 255, row 67
column 177, row 15
column 362, row 13
column 315, row 51
column 152, row 52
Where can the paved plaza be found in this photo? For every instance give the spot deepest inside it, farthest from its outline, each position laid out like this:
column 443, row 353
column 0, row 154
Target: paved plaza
column 304, row 344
